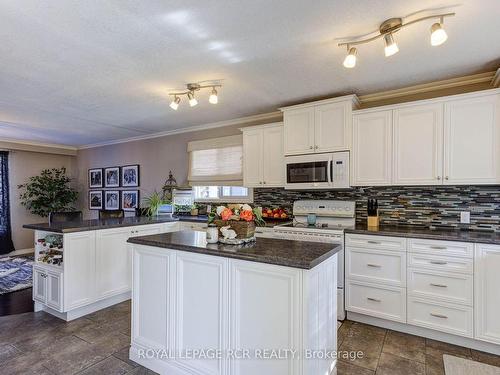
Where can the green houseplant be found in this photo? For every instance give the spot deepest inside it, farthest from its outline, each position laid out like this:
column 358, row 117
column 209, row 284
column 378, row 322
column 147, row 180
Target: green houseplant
column 153, row 203
column 48, row 192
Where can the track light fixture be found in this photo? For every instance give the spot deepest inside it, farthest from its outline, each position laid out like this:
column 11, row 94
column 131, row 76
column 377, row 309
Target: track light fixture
column 387, row 30
column 191, row 88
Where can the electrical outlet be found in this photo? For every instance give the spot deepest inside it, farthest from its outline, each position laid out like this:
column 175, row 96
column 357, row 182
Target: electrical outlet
column 465, row 217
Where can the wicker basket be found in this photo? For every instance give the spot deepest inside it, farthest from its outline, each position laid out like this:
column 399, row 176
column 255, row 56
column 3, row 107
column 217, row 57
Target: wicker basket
column 243, row 229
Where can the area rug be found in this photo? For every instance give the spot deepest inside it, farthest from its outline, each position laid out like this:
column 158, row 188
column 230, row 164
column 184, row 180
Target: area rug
column 16, row 273
column 461, row 366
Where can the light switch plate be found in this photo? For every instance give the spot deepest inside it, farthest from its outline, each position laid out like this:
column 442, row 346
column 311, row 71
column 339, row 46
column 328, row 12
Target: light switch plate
column 465, row 217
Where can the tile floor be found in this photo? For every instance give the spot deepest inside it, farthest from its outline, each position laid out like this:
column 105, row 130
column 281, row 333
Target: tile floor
column 37, row 343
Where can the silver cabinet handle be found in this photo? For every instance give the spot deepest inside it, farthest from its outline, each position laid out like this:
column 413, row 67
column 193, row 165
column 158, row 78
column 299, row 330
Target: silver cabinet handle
column 439, row 247
column 264, row 182
column 438, row 178
column 439, row 285
column 310, row 147
column 440, row 262
column 439, row 316
column 373, row 299
column 373, row 265
column 374, row 242
column 446, row 178
column 316, row 147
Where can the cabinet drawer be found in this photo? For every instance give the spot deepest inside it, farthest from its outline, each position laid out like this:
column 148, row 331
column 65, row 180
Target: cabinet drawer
column 440, row 286
column 440, row 263
column 383, row 267
column 376, row 242
column 445, row 317
column 381, row 302
column 433, row 247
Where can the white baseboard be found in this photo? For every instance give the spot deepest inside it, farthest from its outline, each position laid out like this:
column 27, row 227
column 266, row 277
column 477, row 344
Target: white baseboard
column 20, row 252
column 425, row 332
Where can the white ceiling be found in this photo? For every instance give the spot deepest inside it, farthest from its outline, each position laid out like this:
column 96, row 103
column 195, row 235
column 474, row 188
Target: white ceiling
column 78, row 72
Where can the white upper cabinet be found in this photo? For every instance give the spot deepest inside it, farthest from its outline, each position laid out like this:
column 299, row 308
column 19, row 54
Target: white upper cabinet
column 418, row 145
column 299, row 131
column 472, row 140
column 263, row 161
column 323, row 126
column 372, row 148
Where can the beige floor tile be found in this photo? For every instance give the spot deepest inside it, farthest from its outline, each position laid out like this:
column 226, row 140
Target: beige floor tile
column 390, row 364
column 404, row 345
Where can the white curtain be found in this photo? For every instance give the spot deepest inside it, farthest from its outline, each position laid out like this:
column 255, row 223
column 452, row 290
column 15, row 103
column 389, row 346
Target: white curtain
column 216, row 161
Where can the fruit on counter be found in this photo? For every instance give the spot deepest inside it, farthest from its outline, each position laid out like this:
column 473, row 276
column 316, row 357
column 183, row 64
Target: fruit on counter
column 275, row 213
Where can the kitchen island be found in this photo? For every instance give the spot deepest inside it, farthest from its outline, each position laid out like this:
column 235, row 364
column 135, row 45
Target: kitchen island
column 264, row 308
column 84, row 266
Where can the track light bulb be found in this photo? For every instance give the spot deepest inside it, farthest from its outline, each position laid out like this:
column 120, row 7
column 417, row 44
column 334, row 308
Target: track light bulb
column 213, row 99
column 391, row 47
column 192, row 99
column 350, row 59
column 438, row 35
column 175, row 103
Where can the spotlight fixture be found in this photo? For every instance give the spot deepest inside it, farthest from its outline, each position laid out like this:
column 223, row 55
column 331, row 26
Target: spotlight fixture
column 350, row 59
column 387, row 30
column 175, row 103
column 391, row 47
column 191, row 88
column 213, row 99
column 192, row 99
column 438, row 35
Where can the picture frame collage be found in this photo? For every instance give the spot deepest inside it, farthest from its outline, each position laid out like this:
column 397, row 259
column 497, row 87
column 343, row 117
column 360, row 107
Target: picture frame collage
column 111, row 179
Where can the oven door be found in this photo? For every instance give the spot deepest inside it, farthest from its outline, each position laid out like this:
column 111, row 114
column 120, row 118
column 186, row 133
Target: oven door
column 308, row 171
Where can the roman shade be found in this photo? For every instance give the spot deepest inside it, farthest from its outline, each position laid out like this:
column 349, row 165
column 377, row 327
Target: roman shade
column 216, row 161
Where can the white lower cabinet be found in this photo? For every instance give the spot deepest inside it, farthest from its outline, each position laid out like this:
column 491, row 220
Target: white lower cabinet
column 487, row 293
column 48, row 287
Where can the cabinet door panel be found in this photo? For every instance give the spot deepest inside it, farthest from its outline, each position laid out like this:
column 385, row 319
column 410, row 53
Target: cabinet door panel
column 486, row 295
column 418, row 145
column 79, row 269
column 299, row 131
column 372, row 148
column 273, row 161
column 252, row 158
column 201, row 308
column 472, row 140
column 332, row 127
column 54, row 291
column 39, row 286
column 112, row 261
column 267, row 297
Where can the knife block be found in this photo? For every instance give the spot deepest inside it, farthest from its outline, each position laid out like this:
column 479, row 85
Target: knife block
column 373, row 221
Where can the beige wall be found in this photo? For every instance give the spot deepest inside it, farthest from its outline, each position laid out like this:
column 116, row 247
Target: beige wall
column 156, row 157
column 23, row 165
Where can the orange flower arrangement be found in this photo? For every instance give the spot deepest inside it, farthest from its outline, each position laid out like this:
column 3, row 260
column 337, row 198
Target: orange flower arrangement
column 226, row 214
column 246, row 215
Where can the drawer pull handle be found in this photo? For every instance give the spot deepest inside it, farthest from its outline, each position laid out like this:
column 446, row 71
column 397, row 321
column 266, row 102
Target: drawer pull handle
column 439, row 316
column 439, row 247
column 374, row 242
column 373, row 265
column 373, row 299
column 440, row 262
column 439, row 285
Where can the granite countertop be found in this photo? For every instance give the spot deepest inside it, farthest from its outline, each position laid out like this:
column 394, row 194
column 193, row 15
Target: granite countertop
column 296, row 254
column 96, row 224
column 429, row 233
column 194, row 219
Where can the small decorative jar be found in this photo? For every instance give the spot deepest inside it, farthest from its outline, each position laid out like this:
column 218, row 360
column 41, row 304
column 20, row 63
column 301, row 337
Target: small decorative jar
column 212, row 233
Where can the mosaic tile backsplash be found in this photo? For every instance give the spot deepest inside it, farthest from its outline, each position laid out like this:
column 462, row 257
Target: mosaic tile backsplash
column 434, row 207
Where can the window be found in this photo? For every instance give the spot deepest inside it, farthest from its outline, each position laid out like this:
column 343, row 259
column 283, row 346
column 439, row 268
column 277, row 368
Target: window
column 223, row 194
column 216, row 162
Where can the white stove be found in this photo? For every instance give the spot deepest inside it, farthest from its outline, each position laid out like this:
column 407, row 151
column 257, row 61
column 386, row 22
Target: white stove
column 332, row 217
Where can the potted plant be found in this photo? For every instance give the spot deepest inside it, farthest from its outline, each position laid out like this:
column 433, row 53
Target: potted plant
column 194, row 210
column 153, row 203
column 241, row 218
column 48, row 192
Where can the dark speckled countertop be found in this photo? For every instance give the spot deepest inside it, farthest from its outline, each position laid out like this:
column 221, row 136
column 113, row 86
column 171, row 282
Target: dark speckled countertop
column 96, row 224
column 296, row 254
column 429, row 233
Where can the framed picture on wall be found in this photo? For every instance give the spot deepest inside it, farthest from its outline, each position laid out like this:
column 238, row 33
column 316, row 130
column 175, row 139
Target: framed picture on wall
column 95, row 200
column 130, row 176
column 112, row 177
column 112, row 199
column 130, row 200
column 95, row 178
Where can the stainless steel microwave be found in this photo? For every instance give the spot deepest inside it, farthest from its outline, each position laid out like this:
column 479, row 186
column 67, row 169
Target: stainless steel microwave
column 318, row 171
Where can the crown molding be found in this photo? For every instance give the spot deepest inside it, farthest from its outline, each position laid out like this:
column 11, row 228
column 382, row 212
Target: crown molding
column 428, row 87
column 33, row 146
column 270, row 116
column 495, row 82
